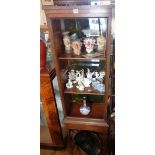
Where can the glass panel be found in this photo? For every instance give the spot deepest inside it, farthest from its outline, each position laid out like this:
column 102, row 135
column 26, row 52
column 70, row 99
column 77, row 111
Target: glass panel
column 80, row 35
column 80, row 46
column 59, row 104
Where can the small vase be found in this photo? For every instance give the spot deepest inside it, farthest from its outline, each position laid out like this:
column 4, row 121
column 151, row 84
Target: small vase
column 84, row 109
column 42, row 54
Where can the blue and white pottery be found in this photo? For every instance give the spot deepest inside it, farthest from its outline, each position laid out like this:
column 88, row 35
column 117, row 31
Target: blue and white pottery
column 100, row 87
column 95, row 83
column 84, row 110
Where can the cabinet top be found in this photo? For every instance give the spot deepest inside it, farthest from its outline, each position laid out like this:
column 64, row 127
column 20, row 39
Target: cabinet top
column 47, row 7
column 78, row 11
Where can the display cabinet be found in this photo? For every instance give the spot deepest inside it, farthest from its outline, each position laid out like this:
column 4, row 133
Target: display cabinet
column 80, row 43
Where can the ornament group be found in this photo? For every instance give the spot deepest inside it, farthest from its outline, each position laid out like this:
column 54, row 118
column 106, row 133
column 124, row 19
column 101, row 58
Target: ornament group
column 74, row 44
column 82, row 80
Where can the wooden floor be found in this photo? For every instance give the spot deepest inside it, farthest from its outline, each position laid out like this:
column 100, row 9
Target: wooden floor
column 73, row 149
column 68, row 151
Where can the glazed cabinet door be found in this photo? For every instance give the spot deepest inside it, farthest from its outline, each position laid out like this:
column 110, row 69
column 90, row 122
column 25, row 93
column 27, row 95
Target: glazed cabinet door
column 50, row 128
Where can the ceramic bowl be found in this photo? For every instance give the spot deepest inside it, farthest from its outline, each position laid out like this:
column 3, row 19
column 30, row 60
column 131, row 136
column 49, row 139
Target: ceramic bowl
column 100, row 87
column 95, row 83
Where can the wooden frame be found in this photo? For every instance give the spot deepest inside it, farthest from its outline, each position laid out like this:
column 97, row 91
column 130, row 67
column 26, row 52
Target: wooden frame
column 58, row 12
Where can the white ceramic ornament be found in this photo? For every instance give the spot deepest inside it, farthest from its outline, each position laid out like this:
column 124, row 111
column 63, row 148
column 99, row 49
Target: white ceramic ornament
column 86, row 82
column 80, row 86
column 69, row 84
column 102, row 74
column 71, row 75
column 89, row 74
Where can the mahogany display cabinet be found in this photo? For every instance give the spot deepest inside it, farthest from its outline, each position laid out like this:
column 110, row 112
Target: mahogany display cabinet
column 80, row 23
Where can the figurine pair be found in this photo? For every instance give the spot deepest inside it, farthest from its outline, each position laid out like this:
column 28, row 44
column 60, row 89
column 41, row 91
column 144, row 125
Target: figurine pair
column 78, row 77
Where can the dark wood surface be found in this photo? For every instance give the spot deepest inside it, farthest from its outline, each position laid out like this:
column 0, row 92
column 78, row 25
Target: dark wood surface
column 53, row 14
column 91, row 124
column 50, row 108
column 84, row 11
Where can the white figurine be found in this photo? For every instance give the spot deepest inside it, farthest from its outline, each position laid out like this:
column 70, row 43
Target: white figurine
column 102, row 74
column 96, row 74
column 89, row 74
column 80, row 86
column 69, row 84
column 86, row 82
column 77, row 76
column 82, row 75
column 71, row 75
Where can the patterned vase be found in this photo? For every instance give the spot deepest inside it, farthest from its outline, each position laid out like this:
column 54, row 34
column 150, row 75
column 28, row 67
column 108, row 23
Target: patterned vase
column 84, row 109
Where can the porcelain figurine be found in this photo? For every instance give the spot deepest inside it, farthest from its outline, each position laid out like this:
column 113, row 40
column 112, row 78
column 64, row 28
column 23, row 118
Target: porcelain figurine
column 84, row 109
column 67, row 42
column 89, row 74
column 102, row 74
column 86, row 82
column 80, row 86
column 76, row 45
column 101, row 43
column 69, row 84
column 82, row 75
column 71, row 75
column 96, row 74
column 89, row 44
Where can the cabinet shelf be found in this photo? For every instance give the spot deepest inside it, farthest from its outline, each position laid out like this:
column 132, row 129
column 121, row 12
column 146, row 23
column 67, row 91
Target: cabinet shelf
column 66, row 56
column 88, row 90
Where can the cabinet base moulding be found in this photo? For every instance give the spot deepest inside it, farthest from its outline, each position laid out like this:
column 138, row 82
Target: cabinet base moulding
column 97, row 125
